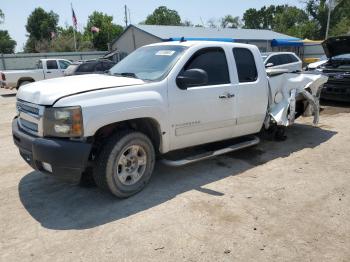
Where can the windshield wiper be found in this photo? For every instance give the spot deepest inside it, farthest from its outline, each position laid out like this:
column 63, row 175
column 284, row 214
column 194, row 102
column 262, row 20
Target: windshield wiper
column 126, row 74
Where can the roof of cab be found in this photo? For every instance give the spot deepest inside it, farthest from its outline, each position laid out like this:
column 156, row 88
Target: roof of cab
column 191, row 43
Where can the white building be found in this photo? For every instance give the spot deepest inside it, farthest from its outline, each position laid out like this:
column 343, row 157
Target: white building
column 135, row 36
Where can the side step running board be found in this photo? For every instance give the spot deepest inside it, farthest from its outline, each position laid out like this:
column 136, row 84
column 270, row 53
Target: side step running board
column 192, row 159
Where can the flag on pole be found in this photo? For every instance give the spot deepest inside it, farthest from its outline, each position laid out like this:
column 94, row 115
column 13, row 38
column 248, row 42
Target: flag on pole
column 74, row 19
column 95, row 29
column 75, row 25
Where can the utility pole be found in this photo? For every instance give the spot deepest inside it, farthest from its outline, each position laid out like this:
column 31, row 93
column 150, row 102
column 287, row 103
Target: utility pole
column 126, row 15
column 330, row 4
column 129, row 17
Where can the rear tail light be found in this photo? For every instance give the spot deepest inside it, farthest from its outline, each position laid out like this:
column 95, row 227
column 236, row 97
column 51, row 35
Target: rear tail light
column 3, row 77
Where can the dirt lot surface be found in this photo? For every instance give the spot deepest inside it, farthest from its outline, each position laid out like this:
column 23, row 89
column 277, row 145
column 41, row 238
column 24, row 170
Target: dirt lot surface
column 279, row 201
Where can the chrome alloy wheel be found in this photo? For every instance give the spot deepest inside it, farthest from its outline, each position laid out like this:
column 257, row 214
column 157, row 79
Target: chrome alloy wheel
column 131, row 165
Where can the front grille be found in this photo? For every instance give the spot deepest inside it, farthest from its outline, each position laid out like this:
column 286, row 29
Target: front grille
column 29, row 125
column 30, row 117
column 27, row 108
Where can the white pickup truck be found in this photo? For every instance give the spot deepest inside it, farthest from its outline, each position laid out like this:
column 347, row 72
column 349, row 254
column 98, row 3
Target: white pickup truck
column 160, row 99
column 46, row 69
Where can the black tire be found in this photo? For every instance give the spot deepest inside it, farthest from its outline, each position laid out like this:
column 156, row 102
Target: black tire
column 105, row 163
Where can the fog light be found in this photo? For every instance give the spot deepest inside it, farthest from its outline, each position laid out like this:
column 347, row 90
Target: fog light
column 47, row 167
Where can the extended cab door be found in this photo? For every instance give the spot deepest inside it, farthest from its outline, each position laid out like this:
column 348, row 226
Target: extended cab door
column 52, row 70
column 204, row 113
column 251, row 92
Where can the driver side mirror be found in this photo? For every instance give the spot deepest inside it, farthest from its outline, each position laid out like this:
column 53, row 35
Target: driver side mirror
column 269, row 65
column 192, row 77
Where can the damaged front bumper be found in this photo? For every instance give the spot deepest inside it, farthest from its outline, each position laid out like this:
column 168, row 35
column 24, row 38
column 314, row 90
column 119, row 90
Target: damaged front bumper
column 292, row 95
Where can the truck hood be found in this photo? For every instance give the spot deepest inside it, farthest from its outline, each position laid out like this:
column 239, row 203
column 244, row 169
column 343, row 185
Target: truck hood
column 46, row 92
column 335, row 46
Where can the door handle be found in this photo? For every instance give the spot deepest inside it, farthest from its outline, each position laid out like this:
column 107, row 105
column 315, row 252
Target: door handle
column 226, row 96
column 48, row 72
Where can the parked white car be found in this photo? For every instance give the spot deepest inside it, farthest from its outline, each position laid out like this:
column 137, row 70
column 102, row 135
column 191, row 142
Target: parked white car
column 46, row 69
column 282, row 60
column 157, row 101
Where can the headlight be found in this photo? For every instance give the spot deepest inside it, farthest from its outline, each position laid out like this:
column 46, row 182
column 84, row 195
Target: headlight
column 63, row 122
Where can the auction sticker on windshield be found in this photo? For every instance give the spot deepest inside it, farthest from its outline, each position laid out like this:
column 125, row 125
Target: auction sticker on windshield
column 165, row 52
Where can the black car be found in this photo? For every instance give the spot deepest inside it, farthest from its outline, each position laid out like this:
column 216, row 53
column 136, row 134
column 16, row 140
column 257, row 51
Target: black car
column 337, row 68
column 89, row 67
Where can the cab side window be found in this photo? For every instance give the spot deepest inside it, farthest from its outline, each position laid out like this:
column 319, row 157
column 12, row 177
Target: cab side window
column 246, row 67
column 213, row 61
column 293, row 59
column 275, row 60
column 285, row 59
column 51, row 64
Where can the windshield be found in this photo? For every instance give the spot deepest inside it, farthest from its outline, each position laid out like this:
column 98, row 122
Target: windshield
column 149, row 62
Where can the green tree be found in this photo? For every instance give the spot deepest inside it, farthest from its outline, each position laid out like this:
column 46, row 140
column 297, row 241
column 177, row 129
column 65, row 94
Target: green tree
column 7, row 44
column 107, row 30
column 340, row 18
column 295, row 22
column 285, row 19
column 163, row 16
column 263, row 18
column 318, row 10
column 40, row 25
column 228, row 21
column 252, row 19
column 64, row 41
column 341, row 28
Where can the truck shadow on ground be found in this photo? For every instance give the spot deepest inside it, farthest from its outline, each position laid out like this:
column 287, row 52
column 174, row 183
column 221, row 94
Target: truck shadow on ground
column 63, row 207
column 8, row 95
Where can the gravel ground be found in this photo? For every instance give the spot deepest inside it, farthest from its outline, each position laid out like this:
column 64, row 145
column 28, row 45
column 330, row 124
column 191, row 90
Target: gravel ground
column 278, row 201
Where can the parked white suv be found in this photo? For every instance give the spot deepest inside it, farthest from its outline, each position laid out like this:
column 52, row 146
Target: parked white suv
column 282, row 60
column 160, row 99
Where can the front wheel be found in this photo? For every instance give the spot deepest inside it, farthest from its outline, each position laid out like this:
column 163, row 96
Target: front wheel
column 125, row 164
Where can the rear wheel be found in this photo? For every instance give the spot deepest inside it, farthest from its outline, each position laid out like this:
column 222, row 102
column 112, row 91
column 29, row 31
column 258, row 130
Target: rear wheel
column 125, row 164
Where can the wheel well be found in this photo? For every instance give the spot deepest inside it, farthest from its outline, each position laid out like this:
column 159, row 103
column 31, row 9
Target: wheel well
column 24, row 79
column 147, row 126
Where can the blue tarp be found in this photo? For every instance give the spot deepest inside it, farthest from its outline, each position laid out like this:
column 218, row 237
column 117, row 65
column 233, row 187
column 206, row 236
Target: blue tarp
column 287, row 42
